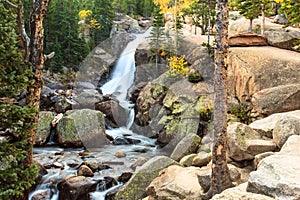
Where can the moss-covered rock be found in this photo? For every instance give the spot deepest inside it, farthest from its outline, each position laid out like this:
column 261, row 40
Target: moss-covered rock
column 44, row 127
column 244, row 143
column 136, row 186
column 82, row 128
column 188, row 145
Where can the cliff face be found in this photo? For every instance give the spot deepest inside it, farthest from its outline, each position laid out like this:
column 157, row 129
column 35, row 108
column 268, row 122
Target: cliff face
column 252, row 69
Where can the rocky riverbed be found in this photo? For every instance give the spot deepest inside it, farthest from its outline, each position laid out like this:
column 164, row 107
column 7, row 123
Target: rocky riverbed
column 171, row 151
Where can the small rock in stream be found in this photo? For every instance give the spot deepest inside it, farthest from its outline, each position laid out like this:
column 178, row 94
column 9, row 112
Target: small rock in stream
column 125, row 141
column 43, row 194
column 120, row 154
column 85, row 171
column 107, row 183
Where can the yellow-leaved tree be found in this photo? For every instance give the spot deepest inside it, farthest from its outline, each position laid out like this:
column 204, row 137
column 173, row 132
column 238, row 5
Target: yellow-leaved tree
column 87, row 23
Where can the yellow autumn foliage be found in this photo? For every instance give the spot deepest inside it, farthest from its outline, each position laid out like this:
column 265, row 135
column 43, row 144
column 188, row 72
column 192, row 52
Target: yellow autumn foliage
column 91, row 23
column 84, row 14
column 169, row 5
column 178, row 66
column 94, row 24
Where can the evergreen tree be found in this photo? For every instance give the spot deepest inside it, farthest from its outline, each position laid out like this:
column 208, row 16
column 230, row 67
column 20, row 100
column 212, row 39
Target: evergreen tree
column 249, row 9
column 252, row 9
column 119, row 7
column 157, row 31
column 291, row 8
column 104, row 14
column 203, row 14
column 14, row 175
column 62, row 37
column 18, row 122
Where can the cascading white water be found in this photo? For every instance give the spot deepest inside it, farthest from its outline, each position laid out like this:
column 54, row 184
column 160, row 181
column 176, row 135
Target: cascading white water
column 121, row 80
column 123, row 76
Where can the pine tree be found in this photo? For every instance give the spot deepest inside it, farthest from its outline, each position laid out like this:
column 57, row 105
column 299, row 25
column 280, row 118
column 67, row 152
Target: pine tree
column 62, row 37
column 19, row 73
column 157, row 32
column 249, row 10
column 203, row 14
column 104, row 14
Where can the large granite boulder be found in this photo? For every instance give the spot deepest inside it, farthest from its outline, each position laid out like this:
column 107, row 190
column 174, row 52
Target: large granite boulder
column 247, row 39
column 278, row 35
column 135, row 188
column 283, row 38
column 44, row 127
column 182, row 183
column 244, row 143
column 115, row 115
column 253, row 69
column 82, row 128
column 199, row 58
column 87, row 98
column 170, row 108
column 284, row 128
column 278, row 175
column 266, row 125
column 277, row 99
column 240, row 193
column 147, row 72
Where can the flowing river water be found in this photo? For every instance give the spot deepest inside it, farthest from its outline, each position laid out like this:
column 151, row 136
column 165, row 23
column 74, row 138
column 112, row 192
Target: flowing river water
column 67, row 161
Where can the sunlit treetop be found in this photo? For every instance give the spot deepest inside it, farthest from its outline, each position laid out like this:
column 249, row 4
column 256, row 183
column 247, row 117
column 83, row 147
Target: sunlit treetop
column 169, row 5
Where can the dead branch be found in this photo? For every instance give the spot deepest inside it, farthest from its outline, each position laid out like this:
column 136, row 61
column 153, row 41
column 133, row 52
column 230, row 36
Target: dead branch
column 49, row 56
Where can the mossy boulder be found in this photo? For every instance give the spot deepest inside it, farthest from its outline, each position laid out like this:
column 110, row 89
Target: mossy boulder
column 244, row 143
column 136, row 186
column 44, row 127
column 188, row 145
column 82, row 128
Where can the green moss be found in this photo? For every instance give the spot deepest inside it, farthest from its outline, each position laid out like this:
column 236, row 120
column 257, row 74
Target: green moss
column 241, row 137
column 158, row 90
column 242, row 112
column 195, row 78
column 68, row 129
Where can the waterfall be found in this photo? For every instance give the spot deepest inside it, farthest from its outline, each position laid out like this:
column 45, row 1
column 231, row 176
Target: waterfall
column 122, row 76
column 121, row 80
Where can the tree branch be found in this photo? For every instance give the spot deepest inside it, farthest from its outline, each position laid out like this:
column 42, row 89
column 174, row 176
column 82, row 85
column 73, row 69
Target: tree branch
column 49, row 56
column 24, row 37
column 10, row 4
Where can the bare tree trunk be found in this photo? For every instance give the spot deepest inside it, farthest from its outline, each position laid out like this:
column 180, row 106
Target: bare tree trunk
column 220, row 179
column 250, row 29
column 263, row 19
column 220, row 172
column 36, row 62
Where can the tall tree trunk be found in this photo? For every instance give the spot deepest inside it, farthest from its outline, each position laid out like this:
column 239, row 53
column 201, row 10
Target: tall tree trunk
column 263, row 19
column 36, row 62
column 220, row 172
column 220, row 178
column 250, row 29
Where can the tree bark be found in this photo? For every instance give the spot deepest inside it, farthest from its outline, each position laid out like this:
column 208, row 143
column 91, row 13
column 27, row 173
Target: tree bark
column 36, row 62
column 250, row 29
column 220, row 179
column 263, row 19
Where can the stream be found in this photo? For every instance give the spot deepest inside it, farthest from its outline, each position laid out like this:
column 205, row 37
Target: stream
column 65, row 161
